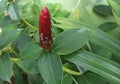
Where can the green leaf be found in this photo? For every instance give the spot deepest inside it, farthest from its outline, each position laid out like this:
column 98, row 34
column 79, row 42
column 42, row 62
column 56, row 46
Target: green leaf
column 21, row 41
column 66, row 24
column 31, row 52
column 99, row 37
column 7, row 37
column 90, row 78
column 102, row 66
column 83, row 80
column 87, row 14
column 102, row 10
column 2, row 2
column 108, row 26
column 117, row 1
column 1, row 81
column 71, row 40
column 34, row 79
column 35, row 10
column 106, row 41
column 54, row 8
column 37, row 2
column 103, row 52
column 50, row 67
column 115, row 10
column 14, row 12
column 24, row 2
column 62, row 14
column 8, row 24
column 2, row 9
column 29, row 67
column 18, row 75
column 67, row 79
column 5, row 67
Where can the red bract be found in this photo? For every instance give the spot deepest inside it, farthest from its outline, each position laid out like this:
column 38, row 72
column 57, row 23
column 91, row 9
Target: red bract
column 45, row 29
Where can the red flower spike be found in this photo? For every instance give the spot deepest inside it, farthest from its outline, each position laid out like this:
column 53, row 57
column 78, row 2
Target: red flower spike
column 45, row 29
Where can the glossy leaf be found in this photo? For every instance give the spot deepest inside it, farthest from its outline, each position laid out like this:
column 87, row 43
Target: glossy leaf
column 18, row 75
column 50, row 67
column 2, row 9
column 102, row 10
column 8, row 24
column 107, row 42
column 90, row 78
column 103, row 52
column 67, row 79
column 29, row 67
column 21, row 41
column 7, row 37
column 99, row 37
column 66, row 24
column 97, row 64
column 71, row 40
column 14, row 12
column 5, row 67
column 2, row 2
column 108, row 26
column 35, row 79
column 31, row 52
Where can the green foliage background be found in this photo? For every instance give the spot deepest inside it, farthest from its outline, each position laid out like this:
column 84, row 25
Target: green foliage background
column 86, row 47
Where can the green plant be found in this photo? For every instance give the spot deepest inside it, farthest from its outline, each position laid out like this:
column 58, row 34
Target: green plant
column 85, row 50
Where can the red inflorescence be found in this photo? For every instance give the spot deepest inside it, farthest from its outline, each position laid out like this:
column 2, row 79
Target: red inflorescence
column 45, row 29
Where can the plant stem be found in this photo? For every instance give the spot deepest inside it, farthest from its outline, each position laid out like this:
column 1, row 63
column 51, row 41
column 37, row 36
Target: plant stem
column 27, row 23
column 70, row 71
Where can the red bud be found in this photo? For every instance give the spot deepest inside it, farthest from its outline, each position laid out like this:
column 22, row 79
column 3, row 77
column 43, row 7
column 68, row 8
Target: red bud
column 45, row 29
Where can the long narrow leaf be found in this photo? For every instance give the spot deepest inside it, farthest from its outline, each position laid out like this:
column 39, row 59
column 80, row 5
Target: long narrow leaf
column 100, row 37
column 97, row 64
column 107, row 42
column 90, row 78
column 115, row 10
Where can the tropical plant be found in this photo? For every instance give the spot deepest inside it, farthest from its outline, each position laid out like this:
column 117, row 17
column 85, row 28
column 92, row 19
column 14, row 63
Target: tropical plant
column 85, row 45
